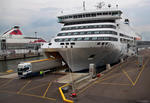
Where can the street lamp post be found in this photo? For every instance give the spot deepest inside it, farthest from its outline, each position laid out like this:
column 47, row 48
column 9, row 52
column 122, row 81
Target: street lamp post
column 35, row 34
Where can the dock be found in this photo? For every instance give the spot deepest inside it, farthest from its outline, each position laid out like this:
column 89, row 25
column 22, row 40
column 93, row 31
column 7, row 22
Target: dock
column 19, row 56
column 126, row 82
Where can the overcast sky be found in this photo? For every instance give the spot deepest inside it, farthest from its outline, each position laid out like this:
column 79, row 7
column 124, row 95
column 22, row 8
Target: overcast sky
column 41, row 15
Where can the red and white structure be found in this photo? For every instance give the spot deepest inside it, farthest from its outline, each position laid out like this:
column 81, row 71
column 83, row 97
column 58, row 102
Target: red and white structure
column 14, row 38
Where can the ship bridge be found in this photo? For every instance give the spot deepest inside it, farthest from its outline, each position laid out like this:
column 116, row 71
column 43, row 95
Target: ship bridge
column 101, row 15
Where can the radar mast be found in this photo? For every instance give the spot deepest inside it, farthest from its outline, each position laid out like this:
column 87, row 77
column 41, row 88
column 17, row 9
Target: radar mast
column 100, row 5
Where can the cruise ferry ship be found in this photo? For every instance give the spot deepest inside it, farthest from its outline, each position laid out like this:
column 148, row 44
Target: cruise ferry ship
column 14, row 39
column 100, row 37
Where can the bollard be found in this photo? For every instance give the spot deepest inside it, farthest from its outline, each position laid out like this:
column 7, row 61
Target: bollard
column 140, row 61
column 5, row 57
column 92, row 71
column 65, row 89
column 24, row 56
column 122, row 60
column 108, row 66
column 38, row 54
column 98, row 75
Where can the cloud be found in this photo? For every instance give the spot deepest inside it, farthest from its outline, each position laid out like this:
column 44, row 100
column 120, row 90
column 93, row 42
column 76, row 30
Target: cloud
column 40, row 15
column 146, row 36
column 144, row 28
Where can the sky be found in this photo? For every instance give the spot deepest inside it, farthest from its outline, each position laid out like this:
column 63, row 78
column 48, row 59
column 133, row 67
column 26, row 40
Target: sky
column 41, row 15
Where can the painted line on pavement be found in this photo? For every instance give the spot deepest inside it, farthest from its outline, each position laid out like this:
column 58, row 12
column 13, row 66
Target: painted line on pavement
column 3, row 81
column 32, row 95
column 47, row 89
column 116, row 83
column 126, row 74
column 10, row 92
column 23, row 87
column 141, row 72
column 36, row 87
column 137, row 78
column 6, row 83
column 103, row 78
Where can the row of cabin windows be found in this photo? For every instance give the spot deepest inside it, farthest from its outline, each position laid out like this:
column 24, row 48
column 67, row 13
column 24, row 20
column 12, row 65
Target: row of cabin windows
column 90, row 21
column 87, row 39
column 122, row 40
column 91, row 15
column 125, row 36
column 87, row 33
column 89, row 27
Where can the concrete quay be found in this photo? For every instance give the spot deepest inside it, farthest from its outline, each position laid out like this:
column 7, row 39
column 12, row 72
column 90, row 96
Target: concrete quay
column 19, row 56
column 126, row 82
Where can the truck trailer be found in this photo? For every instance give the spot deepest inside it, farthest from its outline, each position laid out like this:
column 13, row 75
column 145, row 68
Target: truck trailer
column 30, row 68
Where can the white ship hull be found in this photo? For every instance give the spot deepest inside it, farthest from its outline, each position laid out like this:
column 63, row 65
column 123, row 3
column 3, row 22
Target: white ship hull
column 78, row 59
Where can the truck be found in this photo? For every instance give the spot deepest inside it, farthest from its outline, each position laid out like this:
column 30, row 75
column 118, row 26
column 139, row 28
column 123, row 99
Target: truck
column 30, row 68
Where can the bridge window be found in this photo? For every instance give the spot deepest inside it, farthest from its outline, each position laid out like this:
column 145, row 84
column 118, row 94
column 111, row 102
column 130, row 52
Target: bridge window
column 69, row 34
column 86, row 38
column 75, row 33
column 105, row 13
column 82, row 33
column 96, row 32
column 94, row 38
column 99, row 13
column 67, row 39
column 89, row 32
column 114, row 13
column 82, row 27
column 94, row 14
column 73, row 39
column 79, row 39
column 110, row 13
column 87, row 15
column 63, row 34
column 106, row 38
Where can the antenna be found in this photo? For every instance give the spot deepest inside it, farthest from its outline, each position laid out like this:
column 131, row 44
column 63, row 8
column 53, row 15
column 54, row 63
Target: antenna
column 100, row 5
column 109, row 5
column 117, row 6
column 84, row 5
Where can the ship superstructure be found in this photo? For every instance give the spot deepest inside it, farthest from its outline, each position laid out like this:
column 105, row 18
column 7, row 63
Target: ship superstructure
column 100, row 37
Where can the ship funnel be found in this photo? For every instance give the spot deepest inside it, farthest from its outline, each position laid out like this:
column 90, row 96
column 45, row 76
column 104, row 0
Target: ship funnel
column 13, row 32
column 126, row 21
column 16, row 27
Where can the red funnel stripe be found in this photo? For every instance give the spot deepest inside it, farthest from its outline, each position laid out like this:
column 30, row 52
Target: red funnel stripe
column 38, row 41
column 16, row 32
column 138, row 38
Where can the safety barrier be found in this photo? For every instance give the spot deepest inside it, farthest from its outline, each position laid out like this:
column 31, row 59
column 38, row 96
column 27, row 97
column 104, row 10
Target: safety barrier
column 62, row 94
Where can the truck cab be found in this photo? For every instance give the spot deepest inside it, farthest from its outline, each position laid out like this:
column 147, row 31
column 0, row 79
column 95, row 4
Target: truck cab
column 24, row 69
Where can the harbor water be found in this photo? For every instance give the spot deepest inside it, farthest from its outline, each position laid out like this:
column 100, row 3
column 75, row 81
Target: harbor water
column 12, row 64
